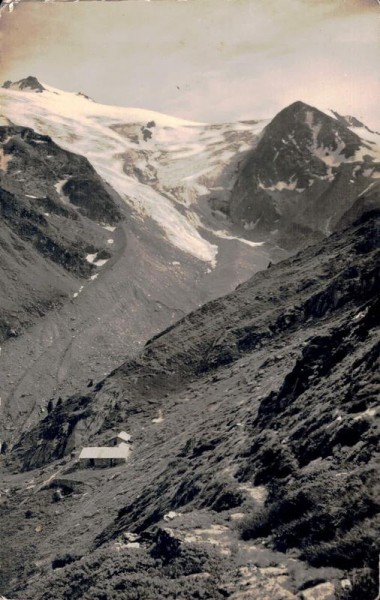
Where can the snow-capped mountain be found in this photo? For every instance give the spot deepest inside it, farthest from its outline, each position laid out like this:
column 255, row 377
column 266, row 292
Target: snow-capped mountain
column 202, row 208
column 305, row 172
column 252, row 417
column 164, row 167
column 283, row 182
column 167, row 254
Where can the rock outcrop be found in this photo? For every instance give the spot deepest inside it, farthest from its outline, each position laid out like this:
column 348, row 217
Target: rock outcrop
column 52, row 206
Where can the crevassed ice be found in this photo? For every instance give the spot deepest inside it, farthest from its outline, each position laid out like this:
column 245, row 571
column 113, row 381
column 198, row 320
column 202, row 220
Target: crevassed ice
column 189, row 145
column 89, row 134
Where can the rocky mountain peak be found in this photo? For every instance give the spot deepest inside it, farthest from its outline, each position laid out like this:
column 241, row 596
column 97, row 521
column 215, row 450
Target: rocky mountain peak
column 54, row 210
column 295, row 108
column 302, row 122
column 29, row 83
column 305, row 172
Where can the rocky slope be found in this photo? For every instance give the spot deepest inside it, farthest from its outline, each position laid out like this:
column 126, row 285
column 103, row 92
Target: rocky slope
column 304, row 173
column 253, row 471
column 249, row 416
column 54, row 209
column 84, row 279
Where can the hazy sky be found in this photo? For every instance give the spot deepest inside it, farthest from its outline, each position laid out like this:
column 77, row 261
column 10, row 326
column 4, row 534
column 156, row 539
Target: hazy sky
column 207, row 60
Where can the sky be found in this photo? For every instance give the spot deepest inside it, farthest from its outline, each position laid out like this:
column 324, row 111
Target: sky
column 204, row 60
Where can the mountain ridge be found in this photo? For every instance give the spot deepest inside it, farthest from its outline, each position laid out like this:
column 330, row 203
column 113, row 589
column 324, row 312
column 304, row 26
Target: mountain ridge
column 253, row 416
column 175, row 220
column 35, row 203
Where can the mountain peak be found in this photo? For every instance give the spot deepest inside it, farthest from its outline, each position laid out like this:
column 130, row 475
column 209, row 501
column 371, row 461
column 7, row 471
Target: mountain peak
column 298, row 105
column 297, row 111
column 302, row 120
column 29, row 83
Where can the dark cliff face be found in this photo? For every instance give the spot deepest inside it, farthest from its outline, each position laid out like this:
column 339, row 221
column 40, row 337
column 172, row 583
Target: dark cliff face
column 33, row 162
column 304, row 174
column 52, row 206
column 261, row 404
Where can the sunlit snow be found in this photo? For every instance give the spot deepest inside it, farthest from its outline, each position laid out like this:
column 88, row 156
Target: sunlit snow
column 180, row 162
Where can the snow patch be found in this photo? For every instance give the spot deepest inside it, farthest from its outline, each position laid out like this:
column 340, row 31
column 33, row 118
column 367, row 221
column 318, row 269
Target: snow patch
column 171, row 515
column 101, row 262
column 280, row 186
column 59, row 185
column 367, row 188
column 371, row 141
column 91, row 258
column 76, row 294
column 370, row 412
column 251, row 225
column 331, row 157
column 330, row 113
column 224, row 235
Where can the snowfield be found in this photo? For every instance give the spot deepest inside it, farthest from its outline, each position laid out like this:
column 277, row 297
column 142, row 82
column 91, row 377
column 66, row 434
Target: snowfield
column 160, row 165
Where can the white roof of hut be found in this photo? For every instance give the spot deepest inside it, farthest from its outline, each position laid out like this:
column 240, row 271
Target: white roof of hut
column 124, row 436
column 105, row 452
